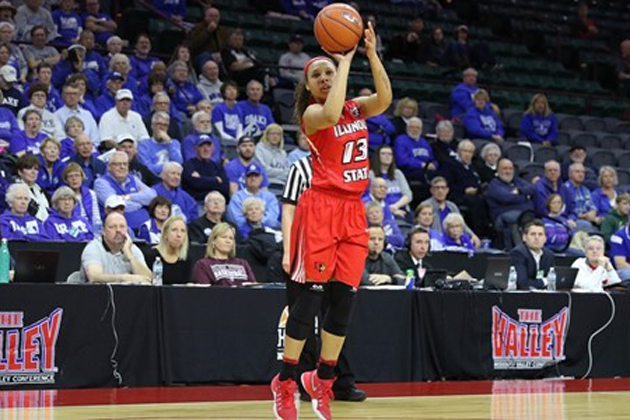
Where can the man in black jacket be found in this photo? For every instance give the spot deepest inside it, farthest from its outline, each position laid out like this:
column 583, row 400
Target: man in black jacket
column 530, row 259
column 412, row 258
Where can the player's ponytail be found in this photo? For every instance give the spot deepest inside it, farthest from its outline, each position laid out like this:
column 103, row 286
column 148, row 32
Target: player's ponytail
column 302, row 100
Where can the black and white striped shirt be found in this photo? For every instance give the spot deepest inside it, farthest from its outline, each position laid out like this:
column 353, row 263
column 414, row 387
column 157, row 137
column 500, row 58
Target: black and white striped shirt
column 299, row 179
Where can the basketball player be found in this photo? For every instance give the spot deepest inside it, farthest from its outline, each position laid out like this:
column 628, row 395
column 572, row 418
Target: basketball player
column 329, row 234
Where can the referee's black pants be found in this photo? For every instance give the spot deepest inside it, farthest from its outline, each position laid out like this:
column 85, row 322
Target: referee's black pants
column 310, row 354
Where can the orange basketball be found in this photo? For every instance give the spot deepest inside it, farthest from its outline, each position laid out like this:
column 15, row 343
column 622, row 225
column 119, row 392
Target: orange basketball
column 338, row 27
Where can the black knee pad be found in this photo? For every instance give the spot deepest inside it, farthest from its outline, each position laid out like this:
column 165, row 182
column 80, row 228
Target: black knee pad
column 340, row 311
column 304, row 310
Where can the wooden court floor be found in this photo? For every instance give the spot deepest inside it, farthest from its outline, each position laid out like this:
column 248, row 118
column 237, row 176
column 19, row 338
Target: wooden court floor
column 545, row 399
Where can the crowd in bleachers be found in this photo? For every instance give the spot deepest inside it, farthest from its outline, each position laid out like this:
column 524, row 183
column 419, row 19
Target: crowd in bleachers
column 93, row 124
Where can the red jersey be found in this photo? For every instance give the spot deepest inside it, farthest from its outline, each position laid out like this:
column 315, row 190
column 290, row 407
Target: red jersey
column 340, row 161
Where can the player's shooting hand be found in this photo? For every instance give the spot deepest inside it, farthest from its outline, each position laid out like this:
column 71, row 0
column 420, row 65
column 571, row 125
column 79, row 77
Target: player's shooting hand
column 370, row 40
column 341, row 57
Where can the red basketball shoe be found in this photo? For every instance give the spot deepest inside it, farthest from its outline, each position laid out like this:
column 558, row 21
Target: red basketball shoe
column 286, row 398
column 321, row 393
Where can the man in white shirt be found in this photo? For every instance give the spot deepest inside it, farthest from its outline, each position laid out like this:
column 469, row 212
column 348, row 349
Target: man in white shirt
column 122, row 120
column 72, row 108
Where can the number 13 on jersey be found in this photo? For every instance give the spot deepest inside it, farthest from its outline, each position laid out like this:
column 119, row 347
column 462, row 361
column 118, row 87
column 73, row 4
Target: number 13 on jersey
column 355, row 151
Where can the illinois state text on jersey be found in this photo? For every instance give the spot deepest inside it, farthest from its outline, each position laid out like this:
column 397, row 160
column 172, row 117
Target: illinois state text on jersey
column 341, row 153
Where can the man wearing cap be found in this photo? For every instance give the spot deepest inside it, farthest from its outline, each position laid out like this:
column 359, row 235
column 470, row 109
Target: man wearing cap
column 107, row 100
column 118, row 181
column 462, row 94
column 160, row 148
column 13, row 99
column 170, row 187
column 71, row 107
column 116, row 204
column 126, row 143
column 237, row 167
column 17, row 60
column 253, row 182
column 39, row 52
column 292, row 62
column 202, row 175
column 121, row 119
column 100, row 23
column 84, row 157
column 256, row 115
column 209, row 84
column 202, row 127
column 112, row 257
column 30, row 14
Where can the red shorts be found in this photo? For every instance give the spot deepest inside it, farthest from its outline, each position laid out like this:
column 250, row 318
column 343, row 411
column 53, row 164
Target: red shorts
column 329, row 238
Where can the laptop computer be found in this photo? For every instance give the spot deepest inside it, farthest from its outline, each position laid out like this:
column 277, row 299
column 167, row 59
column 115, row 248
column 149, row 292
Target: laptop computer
column 565, row 278
column 497, row 271
column 32, row 266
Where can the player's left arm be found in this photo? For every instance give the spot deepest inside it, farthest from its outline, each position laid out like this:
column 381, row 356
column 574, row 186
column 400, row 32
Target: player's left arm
column 378, row 102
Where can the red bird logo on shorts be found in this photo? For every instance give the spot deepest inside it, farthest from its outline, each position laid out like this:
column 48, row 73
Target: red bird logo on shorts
column 355, row 111
column 321, row 267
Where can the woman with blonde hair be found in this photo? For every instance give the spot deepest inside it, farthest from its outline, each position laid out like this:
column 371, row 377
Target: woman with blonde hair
column 539, row 124
column 481, row 121
column 173, row 251
column 220, row 267
column 272, row 156
column 604, row 197
column 405, row 109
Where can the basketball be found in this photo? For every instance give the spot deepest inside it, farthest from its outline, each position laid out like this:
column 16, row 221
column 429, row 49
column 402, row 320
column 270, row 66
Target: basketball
column 338, row 28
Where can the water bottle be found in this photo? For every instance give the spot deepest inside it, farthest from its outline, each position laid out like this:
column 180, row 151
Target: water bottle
column 158, row 269
column 409, row 279
column 551, row 280
column 5, row 261
column 511, row 286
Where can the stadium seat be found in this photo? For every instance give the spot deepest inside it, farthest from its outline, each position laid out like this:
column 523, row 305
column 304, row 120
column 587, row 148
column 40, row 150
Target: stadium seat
column 603, row 158
column 593, row 124
column 569, row 122
column 532, row 169
column 283, row 100
column 544, row 153
column 583, row 139
column 610, row 141
column 623, row 175
column 564, row 138
column 517, row 152
column 623, row 158
column 622, row 128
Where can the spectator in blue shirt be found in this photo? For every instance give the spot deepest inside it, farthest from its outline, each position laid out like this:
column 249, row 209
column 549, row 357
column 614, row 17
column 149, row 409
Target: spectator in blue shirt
column 51, row 166
column 87, row 159
column 43, row 75
column 379, row 127
column 557, row 227
column 539, row 124
column 508, row 197
column 550, row 183
column 226, row 115
column 170, row 187
column 302, row 150
column 413, row 154
column 100, row 23
column 462, row 95
column 160, row 148
column 141, row 62
column 256, row 115
column 120, row 63
column 253, row 181
column 604, row 197
column 454, row 237
column 393, row 235
column 68, row 21
column 29, row 139
column 87, row 202
column 16, row 223
column 159, row 210
column 253, row 213
column 202, row 126
column 107, row 100
column 63, row 223
column 620, row 252
column 93, row 59
column 582, row 201
column 237, row 167
column 184, row 94
column 74, row 64
column 175, row 9
column 481, row 122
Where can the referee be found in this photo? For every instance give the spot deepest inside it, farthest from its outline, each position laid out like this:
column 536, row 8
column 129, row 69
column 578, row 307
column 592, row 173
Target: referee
column 299, row 179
